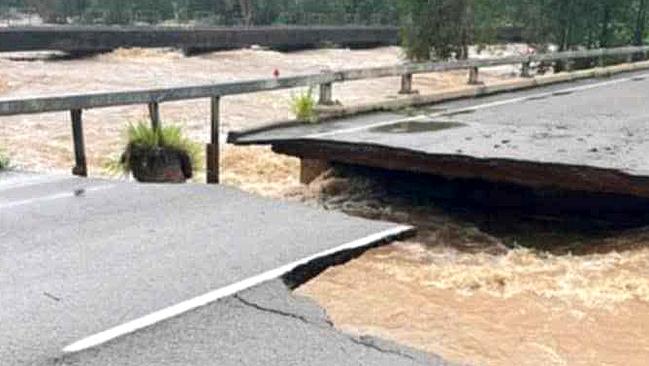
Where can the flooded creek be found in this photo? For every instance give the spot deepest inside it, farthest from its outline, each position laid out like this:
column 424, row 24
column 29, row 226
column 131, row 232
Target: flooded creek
column 489, row 281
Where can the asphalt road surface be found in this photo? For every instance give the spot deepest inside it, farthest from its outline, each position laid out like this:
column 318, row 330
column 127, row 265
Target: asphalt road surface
column 262, row 326
column 86, row 262
column 599, row 124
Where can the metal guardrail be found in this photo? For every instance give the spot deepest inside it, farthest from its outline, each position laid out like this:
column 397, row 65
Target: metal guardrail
column 325, row 80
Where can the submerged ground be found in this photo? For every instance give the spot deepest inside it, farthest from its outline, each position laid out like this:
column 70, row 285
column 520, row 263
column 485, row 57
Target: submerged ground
column 480, row 284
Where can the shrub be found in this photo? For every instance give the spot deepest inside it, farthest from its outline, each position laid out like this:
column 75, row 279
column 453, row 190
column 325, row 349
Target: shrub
column 4, row 160
column 304, row 106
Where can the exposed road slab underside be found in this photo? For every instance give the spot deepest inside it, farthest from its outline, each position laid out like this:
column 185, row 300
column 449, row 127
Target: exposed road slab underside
column 85, row 262
column 589, row 135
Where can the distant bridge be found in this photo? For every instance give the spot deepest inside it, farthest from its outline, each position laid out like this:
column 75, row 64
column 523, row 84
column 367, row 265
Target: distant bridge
column 190, row 39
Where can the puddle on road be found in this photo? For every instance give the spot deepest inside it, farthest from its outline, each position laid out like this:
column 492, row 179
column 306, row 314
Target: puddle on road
column 541, row 97
column 411, row 112
column 562, row 93
column 503, row 280
column 416, row 127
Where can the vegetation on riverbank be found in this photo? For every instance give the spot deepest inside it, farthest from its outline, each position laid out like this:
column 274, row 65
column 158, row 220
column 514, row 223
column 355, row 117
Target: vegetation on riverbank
column 4, row 160
column 446, row 28
column 303, row 106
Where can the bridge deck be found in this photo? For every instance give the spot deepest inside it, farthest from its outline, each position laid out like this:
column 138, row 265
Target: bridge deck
column 102, row 38
column 589, row 135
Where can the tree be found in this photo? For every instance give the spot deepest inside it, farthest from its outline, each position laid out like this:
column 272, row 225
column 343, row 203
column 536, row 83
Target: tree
column 440, row 29
column 49, row 10
column 640, row 22
column 246, row 12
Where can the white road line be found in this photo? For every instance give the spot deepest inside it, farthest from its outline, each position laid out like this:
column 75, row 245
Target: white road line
column 210, row 297
column 19, row 181
column 53, row 197
column 474, row 108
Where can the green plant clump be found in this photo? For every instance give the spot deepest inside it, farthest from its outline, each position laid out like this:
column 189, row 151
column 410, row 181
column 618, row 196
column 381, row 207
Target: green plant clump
column 4, row 161
column 303, row 106
column 141, row 138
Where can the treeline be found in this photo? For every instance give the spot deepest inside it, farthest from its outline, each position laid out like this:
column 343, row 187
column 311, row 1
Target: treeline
column 218, row 12
column 445, row 28
column 431, row 28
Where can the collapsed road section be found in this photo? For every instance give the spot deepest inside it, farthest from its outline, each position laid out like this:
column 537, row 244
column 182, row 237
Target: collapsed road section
column 86, row 262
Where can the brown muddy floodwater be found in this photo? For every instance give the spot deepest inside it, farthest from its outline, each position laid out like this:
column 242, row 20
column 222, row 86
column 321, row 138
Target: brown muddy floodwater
column 576, row 293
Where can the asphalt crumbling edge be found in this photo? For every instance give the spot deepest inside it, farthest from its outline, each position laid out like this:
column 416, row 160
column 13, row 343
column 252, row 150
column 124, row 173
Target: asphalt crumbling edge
column 305, row 273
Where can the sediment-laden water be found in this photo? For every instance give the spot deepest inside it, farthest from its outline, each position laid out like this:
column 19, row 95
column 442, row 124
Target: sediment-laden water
column 489, row 285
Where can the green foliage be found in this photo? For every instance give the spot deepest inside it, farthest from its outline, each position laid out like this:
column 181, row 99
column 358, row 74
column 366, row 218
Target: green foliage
column 4, row 160
column 221, row 12
column 437, row 29
column 441, row 29
column 141, row 137
column 303, row 106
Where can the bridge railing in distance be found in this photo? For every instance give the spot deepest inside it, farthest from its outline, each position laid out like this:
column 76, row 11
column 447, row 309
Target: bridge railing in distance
column 325, row 80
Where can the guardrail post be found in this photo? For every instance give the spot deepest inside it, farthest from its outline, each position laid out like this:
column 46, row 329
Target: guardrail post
column 154, row 114
column 326, row 94
column 80, row 169
column 474, row 76
column 406, row 84
column 568, row 65
column 525, row 70
column 213, row 150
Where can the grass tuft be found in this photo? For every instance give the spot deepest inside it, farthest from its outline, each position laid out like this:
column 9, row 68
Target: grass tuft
column 142, row 137
column 304, row 106
column 4, row 160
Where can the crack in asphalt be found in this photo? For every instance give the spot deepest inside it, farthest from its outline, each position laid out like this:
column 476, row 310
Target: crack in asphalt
column 362, row 341
column 273, row 311
column 366, row 342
